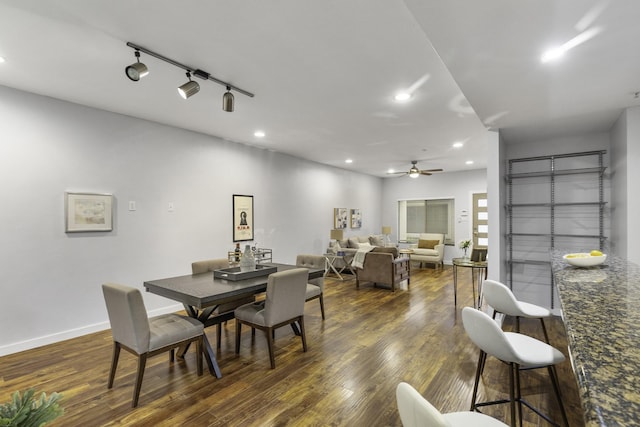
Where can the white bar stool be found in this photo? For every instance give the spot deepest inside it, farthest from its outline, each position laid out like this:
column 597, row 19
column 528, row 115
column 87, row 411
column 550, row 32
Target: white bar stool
column 516, row 350
column 416, row 411
column 502, row 300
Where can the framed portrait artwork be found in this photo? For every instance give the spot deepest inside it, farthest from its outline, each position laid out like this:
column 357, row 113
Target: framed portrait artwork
column 340, row 218
column 356, row 218
column 88, row 212
column 242, row 218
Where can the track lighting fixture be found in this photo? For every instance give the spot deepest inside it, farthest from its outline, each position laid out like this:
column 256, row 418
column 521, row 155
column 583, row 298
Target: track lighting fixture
column 189, row 88
column 138, row 70
column 227, row 101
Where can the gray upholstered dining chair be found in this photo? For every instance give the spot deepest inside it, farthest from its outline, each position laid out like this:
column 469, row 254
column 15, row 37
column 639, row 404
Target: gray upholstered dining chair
column 315, row 287
column 283, row 305
column 416, row 411
column 222, row 312
column 145, row 337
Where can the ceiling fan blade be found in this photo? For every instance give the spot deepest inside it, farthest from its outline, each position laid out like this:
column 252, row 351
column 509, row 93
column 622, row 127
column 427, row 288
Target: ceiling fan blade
column 397, row 173
column 431, row 170
column 424, row 173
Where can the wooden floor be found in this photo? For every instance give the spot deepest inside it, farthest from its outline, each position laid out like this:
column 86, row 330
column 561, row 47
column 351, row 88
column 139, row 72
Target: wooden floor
column 371, row 340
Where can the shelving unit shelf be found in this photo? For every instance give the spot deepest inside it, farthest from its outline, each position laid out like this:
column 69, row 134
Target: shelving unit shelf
column 554, row 201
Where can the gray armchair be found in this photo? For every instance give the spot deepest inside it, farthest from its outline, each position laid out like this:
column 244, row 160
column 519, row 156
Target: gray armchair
column 315, row 287
column 284, row 305
column 144, row 337
column 381, row 265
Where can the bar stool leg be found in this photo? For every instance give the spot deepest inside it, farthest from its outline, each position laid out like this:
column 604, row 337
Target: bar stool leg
column 556, row 389
column 479, row 369
column 544, row 330
column 512, row 401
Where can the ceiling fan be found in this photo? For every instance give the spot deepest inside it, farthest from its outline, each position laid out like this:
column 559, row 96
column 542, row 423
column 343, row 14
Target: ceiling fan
column 414, row 172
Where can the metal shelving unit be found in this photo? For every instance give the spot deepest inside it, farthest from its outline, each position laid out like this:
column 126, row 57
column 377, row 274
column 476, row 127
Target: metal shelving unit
column 554, row 201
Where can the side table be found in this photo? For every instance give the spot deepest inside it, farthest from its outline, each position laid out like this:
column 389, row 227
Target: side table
column 477, row 267
column 330, row 261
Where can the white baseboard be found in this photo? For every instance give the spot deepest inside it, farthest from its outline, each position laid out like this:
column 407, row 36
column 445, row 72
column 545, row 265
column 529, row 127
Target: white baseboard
column 72, row 333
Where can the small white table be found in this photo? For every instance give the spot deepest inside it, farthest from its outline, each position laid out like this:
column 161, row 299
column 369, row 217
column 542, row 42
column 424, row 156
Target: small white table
column 330, row 261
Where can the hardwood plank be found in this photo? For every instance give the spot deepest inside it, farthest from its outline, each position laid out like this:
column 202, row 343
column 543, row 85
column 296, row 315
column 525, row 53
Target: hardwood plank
column 371, row 340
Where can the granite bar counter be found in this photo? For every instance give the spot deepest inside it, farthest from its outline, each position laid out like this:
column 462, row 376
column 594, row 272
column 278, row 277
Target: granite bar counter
column 601, row 312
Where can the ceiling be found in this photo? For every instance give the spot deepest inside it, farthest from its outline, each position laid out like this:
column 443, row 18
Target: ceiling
column 324, row 73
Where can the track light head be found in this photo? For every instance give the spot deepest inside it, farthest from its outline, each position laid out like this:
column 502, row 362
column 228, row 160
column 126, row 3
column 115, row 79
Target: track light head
column 227, row 101
column 189, row 88
column 137, row 70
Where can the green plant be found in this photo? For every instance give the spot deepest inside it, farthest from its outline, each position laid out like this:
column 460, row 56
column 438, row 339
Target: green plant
column 26, row 410
column 465, row 244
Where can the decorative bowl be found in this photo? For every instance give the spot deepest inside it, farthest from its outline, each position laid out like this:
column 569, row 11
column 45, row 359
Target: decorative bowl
column 583, row 259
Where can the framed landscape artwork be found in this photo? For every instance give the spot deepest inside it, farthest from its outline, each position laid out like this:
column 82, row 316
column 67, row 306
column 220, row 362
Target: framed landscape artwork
column 340, row 218
column 88, row 212
column 356, row 218
column 242, row 218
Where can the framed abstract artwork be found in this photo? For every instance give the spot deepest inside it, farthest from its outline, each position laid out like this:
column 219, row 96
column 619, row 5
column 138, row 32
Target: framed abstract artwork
column 88, row 212
column 340, row 218
column 242, row 218
column 356, row 218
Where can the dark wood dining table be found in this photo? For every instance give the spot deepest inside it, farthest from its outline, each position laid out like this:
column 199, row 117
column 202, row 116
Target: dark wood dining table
column 201, row 294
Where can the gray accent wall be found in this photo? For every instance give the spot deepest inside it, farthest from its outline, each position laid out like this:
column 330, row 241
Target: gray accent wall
column 50, row 281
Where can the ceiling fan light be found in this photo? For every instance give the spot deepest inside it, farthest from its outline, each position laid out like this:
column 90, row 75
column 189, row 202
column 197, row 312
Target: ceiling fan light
column 414, row 172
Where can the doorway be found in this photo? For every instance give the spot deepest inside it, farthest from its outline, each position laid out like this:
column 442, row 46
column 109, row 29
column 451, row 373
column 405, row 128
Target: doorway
column 480, row 221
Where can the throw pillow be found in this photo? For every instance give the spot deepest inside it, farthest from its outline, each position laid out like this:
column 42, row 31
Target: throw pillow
column 427, row 244
column 376, row 240
column 354, row 243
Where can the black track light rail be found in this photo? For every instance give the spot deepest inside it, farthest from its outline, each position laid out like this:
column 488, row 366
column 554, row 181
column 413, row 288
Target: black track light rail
column 195, row 71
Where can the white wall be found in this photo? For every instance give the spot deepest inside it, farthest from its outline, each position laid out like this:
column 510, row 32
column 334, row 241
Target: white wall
column 50, row 281
column 496, row 202
column 625, row 156
column 619, row 187
column 457, row 185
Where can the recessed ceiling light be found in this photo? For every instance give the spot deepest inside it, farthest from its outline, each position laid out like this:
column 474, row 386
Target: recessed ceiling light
column 401, row 97
column 348, row 161
column 391, row 171
column 552, row 54
column 458, row 145
column 259, row 134
column 2, row 59
column 468, row 162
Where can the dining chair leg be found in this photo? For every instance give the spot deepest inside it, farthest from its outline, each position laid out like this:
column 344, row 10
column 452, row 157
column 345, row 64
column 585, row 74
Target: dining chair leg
column 322, row 306
column 114, row 363
column 199, row 351
column 269, row 333
column 302, row 333
column 218, row 335
column 142, row 362
column 238, row 333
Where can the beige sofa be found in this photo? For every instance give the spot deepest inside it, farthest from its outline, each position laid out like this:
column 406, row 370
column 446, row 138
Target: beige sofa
column 429, row 249
column 351, row 244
